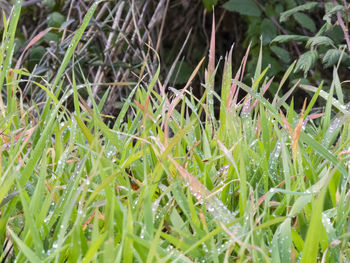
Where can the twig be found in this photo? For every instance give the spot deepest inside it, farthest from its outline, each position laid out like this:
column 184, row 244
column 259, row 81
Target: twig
column 342, row 25
column 30, row 2
column 161, row 30
column 101, row 69
column 346, row 9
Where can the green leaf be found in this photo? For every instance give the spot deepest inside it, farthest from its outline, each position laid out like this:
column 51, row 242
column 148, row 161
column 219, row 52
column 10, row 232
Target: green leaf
column 331, row 57
column 50, row 36
column 244, row 7
column 328, row 15
column 299, row 204
column 320, row 40
column 285, row 15
column 30, row 255
column 281, row 53
column 36, row 54
column 287, row 38
column 306, row 61
column 55, row 19
column 268, row 31
column 305, row 21
column 50, row 3
column 335, row 33
column 40, row 144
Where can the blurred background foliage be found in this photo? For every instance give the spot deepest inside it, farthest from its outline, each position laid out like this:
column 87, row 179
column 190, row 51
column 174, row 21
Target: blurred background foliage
column 117, row 47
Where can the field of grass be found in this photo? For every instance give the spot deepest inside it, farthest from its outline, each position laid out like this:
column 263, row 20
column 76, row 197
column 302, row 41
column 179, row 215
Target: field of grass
column 173, row 179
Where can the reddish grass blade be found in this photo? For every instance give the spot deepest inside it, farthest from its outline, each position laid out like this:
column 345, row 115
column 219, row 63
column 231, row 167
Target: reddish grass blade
column 176, row 101
column 297, row 131
column 211, row 64
column 31, row 43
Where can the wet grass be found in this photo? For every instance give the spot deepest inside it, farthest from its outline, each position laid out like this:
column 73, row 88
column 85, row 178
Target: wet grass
column 169, row 182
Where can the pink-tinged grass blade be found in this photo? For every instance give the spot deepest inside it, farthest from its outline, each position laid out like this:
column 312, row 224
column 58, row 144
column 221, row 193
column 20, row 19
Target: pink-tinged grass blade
column 296, row 133
column 239, row 76
column 211, row 64
column 268, row 84
column 213, row 204
column 31, row 43
column 176, row 101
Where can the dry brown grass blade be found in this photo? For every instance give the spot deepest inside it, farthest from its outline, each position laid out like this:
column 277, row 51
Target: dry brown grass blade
column 144, row 108
column 99, row 77
column 233, row 89
column 228, row 154
column 239, row 75
column 84, row 105
column 145, row 60
column 172, row 68
column 297, row 131
column 176, row 101
column 244, row 62
column 286, row 124
column 160, row 34
column 203, row 195
column 196, row 187
column 26, row 136
column 163, row 94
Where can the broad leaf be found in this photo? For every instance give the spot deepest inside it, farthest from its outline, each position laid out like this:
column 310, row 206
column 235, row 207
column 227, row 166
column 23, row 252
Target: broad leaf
column 306, row 61
column 320, row 40
column 281, row 53
column 285, row 15
column 268, row 31
column 287, row 38
column 331, row 57
column 305, row 21
column 244, row 7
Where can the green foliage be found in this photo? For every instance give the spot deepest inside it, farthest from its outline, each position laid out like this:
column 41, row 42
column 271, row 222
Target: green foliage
column 287, row 38
column 281, row 53
column 55, row 19
column 311, row 32
column 170, row 181
column 268, row 31
column 329, row 43
column 247, row 7
column 306, row 61
column 305, row 7
column 332, row 57
column 305, row 21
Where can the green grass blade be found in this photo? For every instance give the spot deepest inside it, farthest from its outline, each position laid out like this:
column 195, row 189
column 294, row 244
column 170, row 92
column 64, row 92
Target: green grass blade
column 311, row 244
column 30, row 255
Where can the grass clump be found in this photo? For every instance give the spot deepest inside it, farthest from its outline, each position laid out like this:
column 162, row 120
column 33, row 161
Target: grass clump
column 173, row 180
